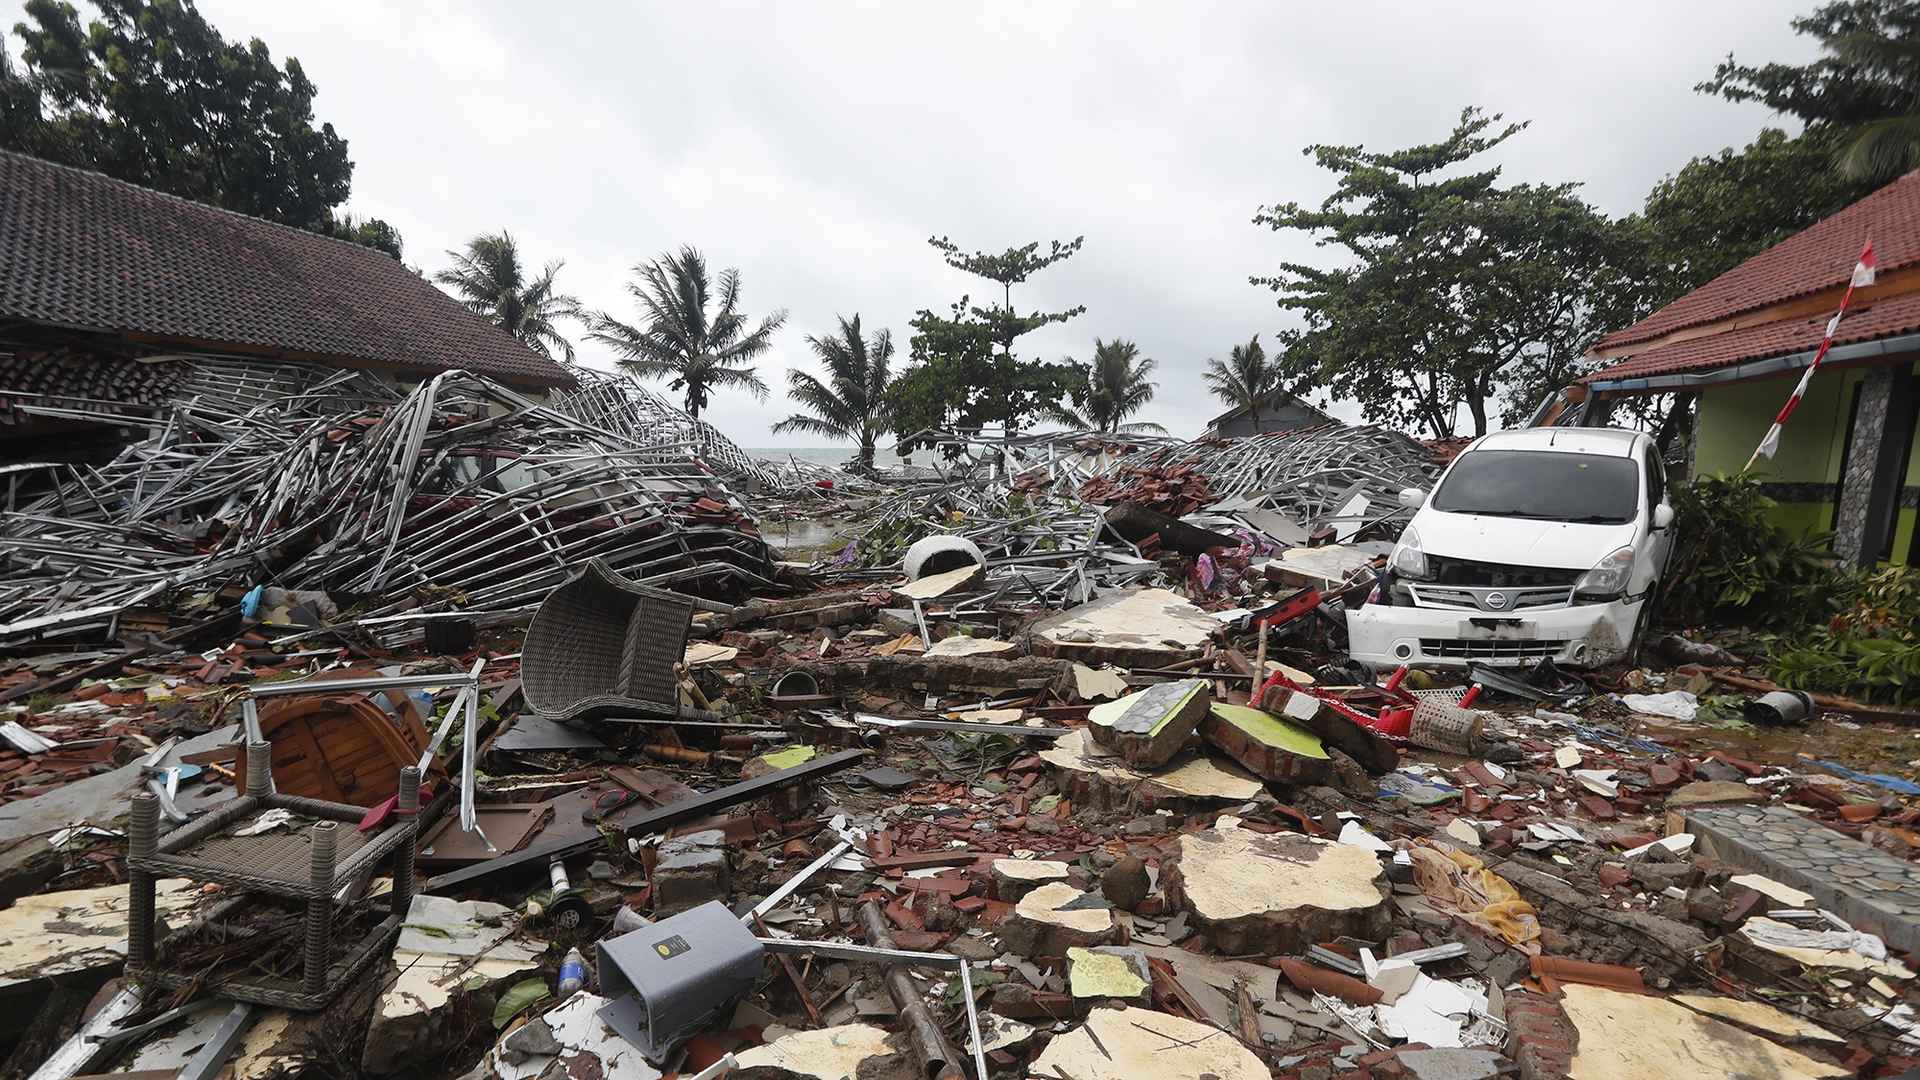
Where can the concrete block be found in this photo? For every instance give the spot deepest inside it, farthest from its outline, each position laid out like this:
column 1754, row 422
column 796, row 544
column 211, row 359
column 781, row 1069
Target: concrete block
column 1254, row 892
column 1146, row 729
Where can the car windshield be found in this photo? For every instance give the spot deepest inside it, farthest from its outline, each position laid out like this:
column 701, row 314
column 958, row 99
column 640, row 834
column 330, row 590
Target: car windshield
column 1548, row 485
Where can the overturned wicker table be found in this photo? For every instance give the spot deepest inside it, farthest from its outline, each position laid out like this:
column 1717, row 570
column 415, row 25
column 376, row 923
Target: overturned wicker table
column 312, row 864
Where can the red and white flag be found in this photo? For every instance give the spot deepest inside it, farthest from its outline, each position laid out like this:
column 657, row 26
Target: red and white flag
column 1863, row 272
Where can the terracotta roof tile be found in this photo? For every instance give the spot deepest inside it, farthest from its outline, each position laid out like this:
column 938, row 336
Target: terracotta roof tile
column 1822, row 257
column 64, row 379
column 81, row 249
column 1884, row 318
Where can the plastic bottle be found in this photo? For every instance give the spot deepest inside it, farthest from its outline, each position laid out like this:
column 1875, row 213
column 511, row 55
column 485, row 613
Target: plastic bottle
column 573, row 973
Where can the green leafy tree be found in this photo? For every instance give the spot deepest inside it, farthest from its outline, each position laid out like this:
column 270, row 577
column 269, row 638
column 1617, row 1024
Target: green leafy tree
column 367, row 232
column 1117, row 383
column 1245, row 380
column 1720, row 210
column 1863, row 97
column 1453, row 289
column 964, row 373
column 149, row 92
column 694, row 333
column 491, row 281
column 852, row 403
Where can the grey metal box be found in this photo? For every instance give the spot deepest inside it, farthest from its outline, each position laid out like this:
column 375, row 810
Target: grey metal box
column 668, row 980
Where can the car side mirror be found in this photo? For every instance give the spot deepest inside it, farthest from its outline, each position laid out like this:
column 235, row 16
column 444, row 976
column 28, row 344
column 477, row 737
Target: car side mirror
column 1413, row 498
column 1663, row 515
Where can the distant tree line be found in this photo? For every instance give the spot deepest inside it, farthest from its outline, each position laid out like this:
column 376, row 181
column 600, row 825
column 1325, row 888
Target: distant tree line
column 1453, row 290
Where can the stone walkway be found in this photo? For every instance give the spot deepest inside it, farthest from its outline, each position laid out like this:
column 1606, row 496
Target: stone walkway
column 1858, row 882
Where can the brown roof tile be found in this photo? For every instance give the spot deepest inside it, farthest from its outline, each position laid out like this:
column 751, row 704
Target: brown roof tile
column 81, row 249
column 1884, row 318
column 1821, row 257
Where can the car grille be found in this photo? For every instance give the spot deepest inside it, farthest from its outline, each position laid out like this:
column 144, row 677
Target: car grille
column 1481, row 598
column 1447, row 571
column 1490, row 648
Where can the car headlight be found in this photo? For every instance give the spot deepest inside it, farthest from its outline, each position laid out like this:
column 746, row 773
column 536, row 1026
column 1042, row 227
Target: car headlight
column 1608, row 578
column 1409, row 560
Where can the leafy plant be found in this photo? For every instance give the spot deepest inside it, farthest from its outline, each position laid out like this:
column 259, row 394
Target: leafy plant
column 1730, row 561
column 518, row 999
column 1870, row 648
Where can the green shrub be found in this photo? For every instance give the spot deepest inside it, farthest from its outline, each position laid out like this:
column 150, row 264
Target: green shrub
column 1731, row 564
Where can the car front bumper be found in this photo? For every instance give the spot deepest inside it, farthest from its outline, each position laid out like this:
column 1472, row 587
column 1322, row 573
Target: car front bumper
column 1584, row 635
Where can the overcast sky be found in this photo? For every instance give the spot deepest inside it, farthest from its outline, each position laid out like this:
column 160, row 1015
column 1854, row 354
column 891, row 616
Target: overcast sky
column 816, row 147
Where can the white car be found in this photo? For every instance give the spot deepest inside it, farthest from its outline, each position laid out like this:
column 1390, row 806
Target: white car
column 1541, row 543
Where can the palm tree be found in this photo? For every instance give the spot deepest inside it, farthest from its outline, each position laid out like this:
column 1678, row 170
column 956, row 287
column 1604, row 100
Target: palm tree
column 1117, row 387
column 1246, row 380
column 492, row 283
column 1883, row 148
column 851, row 404
column 681, row 338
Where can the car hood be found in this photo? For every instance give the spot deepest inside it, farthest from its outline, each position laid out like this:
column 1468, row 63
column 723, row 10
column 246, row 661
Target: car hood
column 1514, row 541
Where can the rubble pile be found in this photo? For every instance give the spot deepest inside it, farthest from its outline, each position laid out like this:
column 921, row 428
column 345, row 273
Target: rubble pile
column 1014, row 790
column 332, row 482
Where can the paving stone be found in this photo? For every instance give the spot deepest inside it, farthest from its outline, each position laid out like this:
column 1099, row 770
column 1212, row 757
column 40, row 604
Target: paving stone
column 1856, row 881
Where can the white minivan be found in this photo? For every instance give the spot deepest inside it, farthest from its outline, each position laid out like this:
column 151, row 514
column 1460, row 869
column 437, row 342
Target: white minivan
column 1540, row 543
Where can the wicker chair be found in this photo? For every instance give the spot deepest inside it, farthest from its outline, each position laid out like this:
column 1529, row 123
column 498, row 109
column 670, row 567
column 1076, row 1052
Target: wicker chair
column 603, row 648
column 312, row 864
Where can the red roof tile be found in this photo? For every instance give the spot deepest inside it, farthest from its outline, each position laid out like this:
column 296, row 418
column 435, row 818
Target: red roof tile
column 1822, row 257
column 81, row 249
column 1884, row 318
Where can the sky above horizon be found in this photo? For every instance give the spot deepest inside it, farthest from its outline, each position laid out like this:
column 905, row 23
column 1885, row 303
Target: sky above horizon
column 817, row 147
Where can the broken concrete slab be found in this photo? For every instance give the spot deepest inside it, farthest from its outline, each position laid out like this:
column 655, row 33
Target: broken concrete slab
column 1277, row 893
column 1146, row 729
column 1705, row 793
column 833, row 1053
column 960, row 647
column 1450, row 1064
column 1115, row 972
column 57, row 935
column 589, row 1049
column 1858, row 882
column 1099, row 684
column 446, row 949
column 1056, row 917
column 1016, row 878
column 1128, row 1044
column 1761, row 1019
column 1140, row 627
column 1651, row 1038
column 1189, row 782
column 691, row 870
column 1268, row 745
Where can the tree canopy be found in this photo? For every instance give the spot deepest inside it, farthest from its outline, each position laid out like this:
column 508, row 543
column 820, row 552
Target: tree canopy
column 492, row 282
column 1453, row 287
column 1245, row 380
column 963, row 369
column 1116, row 383
column 694, row 331
column 852, row 403
column 149, row 92
column 1863, row 96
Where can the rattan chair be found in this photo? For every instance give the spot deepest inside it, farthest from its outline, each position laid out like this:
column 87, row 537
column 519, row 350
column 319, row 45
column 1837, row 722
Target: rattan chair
column 603, row 648
column 314, row 864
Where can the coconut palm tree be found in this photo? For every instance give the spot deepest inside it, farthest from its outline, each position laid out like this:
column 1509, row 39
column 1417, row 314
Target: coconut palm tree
column 491, row 282
column 1890, row 145
column 851, row 404
column 1246, row 380
column 694, row 330
column 1117, row 387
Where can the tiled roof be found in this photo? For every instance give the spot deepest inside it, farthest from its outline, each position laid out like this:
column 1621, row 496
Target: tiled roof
column 81, row 249
column 64, row 379
column 1883, row 318
column 1821, row 257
